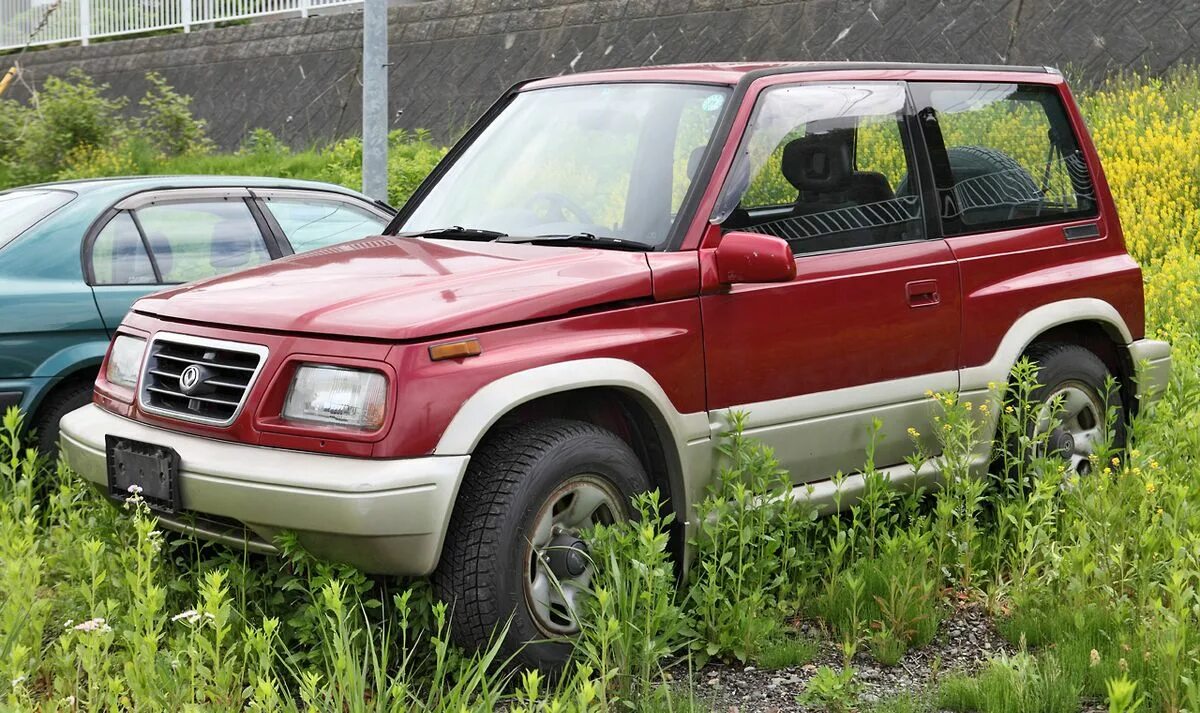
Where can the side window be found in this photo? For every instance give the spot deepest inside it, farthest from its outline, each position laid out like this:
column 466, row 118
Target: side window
column 1004, row 155
column 193, row 240
column 311, row 223
column 826, row 167
column 119, row 256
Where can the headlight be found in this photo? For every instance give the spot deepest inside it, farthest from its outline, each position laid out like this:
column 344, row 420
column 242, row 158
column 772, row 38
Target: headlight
column 125, row 360
column 337, row 396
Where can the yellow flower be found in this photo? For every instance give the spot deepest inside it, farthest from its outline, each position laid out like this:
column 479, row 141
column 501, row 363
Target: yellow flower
column 1008, row 409
column 967, row 405
column 991, row 386
column 945, row 427
column 1116, row 461
column 983, row 408
column 913, row 433
column 1153, row 463
column 1151, row 487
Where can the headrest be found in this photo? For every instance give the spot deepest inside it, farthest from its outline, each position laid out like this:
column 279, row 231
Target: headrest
column 233, row 244
column 820, row 163
column 693, row 163
column 163, row 255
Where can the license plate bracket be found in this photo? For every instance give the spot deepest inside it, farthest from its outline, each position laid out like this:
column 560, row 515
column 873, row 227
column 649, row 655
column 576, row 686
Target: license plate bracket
column 153, row 469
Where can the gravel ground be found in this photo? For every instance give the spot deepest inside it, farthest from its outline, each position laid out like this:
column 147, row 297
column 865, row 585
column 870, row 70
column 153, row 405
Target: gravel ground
column 964, row 640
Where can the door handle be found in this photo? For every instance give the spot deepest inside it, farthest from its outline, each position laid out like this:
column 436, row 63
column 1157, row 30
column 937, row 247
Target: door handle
column 922, row 293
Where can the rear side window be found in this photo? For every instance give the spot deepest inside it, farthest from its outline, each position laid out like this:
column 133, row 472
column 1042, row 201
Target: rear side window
column 21, row 210
column 119, row 255
column 194, row 240
column 1004, row 155
column 311, row 223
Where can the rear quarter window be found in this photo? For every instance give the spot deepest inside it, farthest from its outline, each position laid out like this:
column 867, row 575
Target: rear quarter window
column 1004, row 155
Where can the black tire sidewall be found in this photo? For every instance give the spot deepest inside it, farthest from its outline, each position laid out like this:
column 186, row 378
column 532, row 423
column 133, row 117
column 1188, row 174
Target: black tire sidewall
column 59, row 405
column 575, row 448
column 1062, row 364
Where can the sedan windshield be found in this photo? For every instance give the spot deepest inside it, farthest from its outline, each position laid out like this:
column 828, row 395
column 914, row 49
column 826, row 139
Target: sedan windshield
column 601, row 160
column 20, row 210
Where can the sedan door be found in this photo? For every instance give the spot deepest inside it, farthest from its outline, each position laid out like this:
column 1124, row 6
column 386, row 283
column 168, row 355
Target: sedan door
column 163, row 238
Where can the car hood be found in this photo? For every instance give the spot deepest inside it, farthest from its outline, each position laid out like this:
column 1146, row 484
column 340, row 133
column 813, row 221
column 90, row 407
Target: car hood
column 408, row 288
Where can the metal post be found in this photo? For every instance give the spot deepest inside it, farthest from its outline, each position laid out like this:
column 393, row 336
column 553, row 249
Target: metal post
column 185, row 11
column 374, row 99
column 85, row 20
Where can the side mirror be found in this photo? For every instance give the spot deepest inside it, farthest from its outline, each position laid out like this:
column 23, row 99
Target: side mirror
column 753, row 257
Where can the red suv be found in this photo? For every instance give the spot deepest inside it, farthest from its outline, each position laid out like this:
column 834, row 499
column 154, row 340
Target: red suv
column 594, row 276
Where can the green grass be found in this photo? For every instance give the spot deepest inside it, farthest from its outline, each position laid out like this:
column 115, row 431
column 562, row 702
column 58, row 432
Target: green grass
column 1095, row 582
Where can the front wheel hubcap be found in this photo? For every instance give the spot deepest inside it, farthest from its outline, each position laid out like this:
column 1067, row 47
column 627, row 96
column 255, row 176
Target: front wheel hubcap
column 558, row 564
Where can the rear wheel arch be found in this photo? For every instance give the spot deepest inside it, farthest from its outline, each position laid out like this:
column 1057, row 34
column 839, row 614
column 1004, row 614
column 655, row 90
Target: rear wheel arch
column 69, row 392
column 1101, row 339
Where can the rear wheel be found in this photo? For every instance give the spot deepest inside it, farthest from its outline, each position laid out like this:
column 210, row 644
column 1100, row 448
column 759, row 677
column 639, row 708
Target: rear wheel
column 66, row 398
column 1072, row 388
column 514, row 553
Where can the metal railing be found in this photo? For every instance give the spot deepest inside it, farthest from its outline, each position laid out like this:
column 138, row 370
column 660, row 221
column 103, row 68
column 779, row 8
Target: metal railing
column 83, row 20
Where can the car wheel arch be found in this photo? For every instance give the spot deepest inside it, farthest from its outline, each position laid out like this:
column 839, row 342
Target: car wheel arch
column 1066, row 318
column 615, row 394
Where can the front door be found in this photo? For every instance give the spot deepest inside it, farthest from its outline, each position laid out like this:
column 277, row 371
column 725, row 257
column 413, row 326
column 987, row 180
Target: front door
column 871, row 320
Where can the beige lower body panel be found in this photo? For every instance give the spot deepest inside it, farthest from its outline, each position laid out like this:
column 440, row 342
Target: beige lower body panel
column 383, row 516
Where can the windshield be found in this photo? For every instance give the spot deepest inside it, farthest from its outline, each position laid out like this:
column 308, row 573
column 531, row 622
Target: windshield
column 19, row 210
column 610, row 160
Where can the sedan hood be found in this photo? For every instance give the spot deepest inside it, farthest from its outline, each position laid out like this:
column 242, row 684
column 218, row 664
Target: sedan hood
column 408, row 288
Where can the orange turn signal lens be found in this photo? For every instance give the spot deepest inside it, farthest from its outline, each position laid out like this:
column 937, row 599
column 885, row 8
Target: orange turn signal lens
column 455, row 350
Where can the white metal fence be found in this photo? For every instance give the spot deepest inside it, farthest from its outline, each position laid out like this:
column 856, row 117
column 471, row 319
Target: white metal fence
column 82, row 20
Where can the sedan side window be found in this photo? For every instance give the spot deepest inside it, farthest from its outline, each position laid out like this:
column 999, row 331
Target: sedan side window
column 119, row 256
column 194, row 240
column 311, row 223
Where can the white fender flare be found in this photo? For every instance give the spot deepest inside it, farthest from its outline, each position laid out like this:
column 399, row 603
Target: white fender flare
column 1035, row 322
column 481, row 411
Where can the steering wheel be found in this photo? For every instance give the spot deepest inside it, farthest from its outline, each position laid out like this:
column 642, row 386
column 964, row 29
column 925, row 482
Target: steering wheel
column 559, row 205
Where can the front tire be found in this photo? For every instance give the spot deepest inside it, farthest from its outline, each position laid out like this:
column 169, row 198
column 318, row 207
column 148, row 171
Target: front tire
column 513, row 554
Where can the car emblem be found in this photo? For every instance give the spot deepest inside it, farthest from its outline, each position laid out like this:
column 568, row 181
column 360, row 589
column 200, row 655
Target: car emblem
column 189, row 379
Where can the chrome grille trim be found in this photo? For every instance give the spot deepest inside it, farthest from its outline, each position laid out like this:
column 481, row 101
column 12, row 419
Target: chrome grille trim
column 232, row 375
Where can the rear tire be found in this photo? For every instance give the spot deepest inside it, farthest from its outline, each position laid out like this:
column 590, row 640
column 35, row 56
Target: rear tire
column 66, row 398
column 512, row 531
column 1078, row 377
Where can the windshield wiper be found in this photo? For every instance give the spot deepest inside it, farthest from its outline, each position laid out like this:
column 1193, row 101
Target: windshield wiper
column 457, row 232
column 583, row 239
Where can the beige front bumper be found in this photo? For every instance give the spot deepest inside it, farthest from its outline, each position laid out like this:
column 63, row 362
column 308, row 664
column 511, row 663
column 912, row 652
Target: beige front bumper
column 383, row 516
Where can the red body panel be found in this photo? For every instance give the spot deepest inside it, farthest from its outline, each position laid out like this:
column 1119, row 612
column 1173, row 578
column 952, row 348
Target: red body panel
column 405, row 288
column 847, row 319
column 664, row 339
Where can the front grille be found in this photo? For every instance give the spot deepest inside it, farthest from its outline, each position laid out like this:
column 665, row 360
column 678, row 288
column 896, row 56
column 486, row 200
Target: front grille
column 196, row 379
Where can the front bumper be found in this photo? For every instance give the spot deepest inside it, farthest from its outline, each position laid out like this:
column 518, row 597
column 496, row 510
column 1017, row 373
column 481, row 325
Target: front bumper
column 1152, row 363
column 382, row 516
